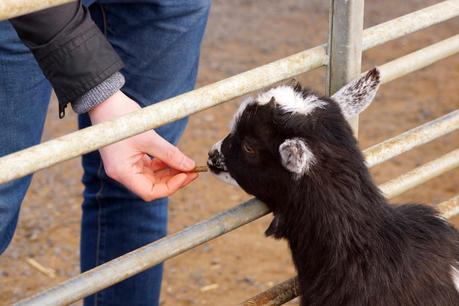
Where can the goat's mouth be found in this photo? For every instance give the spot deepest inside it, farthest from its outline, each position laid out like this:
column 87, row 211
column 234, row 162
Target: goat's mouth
column 216, row 162
column 214, row 169
column 222, row 173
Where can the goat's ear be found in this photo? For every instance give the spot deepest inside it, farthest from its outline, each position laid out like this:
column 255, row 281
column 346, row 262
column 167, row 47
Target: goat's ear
column 358, row 94
column 296, row 155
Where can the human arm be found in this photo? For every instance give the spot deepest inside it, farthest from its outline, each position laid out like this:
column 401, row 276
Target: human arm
column 72, row 52
column 84, row 70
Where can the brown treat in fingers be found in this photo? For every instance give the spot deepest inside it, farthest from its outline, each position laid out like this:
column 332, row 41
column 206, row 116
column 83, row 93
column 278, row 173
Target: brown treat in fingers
column 199, row 169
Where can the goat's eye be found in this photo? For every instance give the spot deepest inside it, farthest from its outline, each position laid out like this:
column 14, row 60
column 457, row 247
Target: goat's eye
column 248, row 149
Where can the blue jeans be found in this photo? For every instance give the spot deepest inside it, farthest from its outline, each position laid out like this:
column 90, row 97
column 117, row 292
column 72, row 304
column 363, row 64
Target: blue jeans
column 159, row 42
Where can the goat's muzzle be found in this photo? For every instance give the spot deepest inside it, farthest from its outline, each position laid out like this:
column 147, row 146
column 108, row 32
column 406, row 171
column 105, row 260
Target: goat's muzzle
column 216, row 162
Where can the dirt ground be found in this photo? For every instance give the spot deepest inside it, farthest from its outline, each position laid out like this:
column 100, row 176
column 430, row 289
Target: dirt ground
column 241, row 35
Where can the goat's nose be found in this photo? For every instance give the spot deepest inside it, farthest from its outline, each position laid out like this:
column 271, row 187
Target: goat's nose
column 213, row 154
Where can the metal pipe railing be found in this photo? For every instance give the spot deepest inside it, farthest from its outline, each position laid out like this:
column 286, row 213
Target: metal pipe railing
column 276, row 295
column 14, row 8
column 419, row 59
column 345, row 47
column 289, row 289
column 410, row 139
column 38, row 157
column 449, row 208
column 421, row 174
column 148, row 256
column 75, row 144
column 409, row 23
column 141, row 259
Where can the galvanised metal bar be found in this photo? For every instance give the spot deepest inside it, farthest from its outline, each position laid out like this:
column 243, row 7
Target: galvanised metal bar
column 277, row 295
column 409, row 23
column 41, row 156
column 449, row 208
column 27, row 161
column 146, row 257
column 421, row 174
column 141, row 259
column 410, row 139
column 289, row 289
column 429, row 16
column 14, row 8
column 345, row 47
column 419, row 59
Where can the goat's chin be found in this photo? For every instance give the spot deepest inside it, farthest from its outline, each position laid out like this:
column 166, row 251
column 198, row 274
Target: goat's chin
column 226, row 177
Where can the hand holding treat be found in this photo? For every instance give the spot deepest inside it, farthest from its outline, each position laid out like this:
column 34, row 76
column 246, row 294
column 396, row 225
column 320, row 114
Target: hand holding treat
column 146, row 164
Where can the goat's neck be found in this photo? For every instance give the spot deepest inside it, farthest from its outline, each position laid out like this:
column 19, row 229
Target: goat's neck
column 337, row 209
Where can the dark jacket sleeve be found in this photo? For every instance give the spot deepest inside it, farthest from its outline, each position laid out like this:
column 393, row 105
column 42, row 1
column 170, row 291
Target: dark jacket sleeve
column 70, row 49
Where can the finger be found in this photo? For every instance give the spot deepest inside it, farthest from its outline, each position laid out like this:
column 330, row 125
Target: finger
column 190, row 177
column 157, row 164
column 161, row 169
column 171, row 185
column 166, row 173
column 147, row 160
column 140, row 184
column 169, row 154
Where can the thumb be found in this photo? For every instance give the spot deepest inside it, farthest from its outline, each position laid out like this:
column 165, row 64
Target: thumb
column 169, row 154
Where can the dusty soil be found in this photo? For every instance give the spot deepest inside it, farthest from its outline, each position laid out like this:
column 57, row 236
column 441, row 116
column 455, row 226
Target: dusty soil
column 241, row 35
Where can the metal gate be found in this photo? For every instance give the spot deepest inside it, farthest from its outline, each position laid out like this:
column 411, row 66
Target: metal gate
column 341, row 56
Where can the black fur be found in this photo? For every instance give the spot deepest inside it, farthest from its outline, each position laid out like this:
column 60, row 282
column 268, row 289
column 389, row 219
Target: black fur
column 349, row 246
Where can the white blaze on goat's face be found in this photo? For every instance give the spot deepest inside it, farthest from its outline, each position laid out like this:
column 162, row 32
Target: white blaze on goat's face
column 217, row 164
column 296, row 156
column 285, row 97
column 356, row 96
column 290, row 100
column 239, row 112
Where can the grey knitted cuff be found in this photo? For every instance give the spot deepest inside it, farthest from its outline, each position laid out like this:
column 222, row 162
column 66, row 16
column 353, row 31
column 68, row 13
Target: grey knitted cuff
column 98, row 94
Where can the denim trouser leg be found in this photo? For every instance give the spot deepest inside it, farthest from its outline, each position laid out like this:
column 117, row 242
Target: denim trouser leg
column 24, row 97
column 159, row 41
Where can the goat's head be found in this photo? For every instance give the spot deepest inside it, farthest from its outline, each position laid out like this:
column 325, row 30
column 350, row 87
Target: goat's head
column 283, row 134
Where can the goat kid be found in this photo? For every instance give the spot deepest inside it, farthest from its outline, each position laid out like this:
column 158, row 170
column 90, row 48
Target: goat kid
column 295, row 151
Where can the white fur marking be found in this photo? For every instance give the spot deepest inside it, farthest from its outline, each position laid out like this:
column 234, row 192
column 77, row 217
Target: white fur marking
column 218, row 146
column 227, row 178
column 455, row 277
column 291, row 101
column 223, row 175
column 218, row 162
column 239, row 112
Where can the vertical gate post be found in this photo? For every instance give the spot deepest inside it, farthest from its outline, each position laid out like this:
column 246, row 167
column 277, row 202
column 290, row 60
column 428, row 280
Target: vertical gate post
column 345, row 46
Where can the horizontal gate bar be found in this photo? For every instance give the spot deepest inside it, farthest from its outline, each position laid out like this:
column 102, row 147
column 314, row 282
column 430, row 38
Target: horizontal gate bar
column 409, row 23
column 419, row 59
column 449, row 208
column 38, row 157
column 410, row 139
column 421, row 174
column 276, row 295
column 148, row 256
column 143, row 258
column 289, row 289
column 14, row 8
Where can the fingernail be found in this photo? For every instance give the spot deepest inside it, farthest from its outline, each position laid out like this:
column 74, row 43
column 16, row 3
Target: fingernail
column 188, row 163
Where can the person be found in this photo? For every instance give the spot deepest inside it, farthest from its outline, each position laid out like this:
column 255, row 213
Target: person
column 105, row 58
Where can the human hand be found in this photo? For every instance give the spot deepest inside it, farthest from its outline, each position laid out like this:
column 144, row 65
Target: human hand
column 146, row 164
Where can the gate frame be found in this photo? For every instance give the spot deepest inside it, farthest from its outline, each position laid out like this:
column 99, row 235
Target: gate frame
column 347, row 40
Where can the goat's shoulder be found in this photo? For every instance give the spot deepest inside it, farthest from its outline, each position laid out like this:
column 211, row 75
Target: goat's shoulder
column 422, row 217
column 423, row 224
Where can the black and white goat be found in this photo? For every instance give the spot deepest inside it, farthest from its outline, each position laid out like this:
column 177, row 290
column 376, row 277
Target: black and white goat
column 295, row 151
